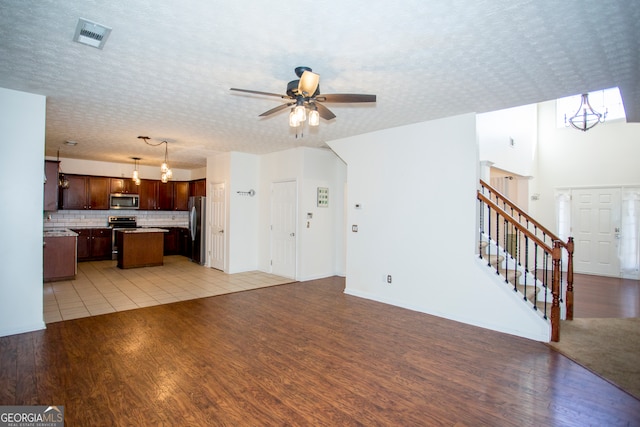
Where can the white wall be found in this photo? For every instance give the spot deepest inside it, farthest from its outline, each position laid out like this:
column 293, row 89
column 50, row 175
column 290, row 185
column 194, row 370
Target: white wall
column 320, row 246
column 498, row 129
column 22, row 127
column 417, row 189
column 606, row 155
column 238, row 172
column 320, row 238
column 243, row 212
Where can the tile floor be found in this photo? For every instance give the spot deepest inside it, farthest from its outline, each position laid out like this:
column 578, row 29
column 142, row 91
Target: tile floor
column 100, row 287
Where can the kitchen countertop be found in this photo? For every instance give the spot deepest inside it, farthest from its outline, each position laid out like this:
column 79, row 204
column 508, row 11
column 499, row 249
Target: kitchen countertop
column 142, row 230
column 59, row 232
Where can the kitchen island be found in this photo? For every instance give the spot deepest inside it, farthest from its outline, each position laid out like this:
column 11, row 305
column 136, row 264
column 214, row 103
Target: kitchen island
column 59, row 255
column 140, row 247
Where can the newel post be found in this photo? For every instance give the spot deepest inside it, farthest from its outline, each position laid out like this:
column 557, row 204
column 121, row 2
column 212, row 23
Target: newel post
column 569, row 296
column 555, row 290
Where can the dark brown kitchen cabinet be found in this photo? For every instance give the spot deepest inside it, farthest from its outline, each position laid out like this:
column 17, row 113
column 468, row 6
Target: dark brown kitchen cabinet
column 156, row 195
column 51, row 185
column 124, row 185
column 165, row 195
column 181, row 196
column 171, row 241
column 198, row 187
column 94, row 244
column 184, row 242
column 85, row 192
column 59, row 258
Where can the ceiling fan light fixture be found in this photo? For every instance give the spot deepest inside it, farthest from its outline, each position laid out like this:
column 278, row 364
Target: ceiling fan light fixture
column 308, row 83
column 314, row 118
column 293, row 118
column 305, row 94
column 301, row 113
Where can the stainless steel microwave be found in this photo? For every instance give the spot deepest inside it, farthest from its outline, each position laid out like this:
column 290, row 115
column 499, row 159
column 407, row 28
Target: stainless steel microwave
column 124, row 201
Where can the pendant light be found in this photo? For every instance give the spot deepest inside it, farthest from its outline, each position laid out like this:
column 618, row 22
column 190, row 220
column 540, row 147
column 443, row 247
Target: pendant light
column 63, row 182
column 135, row 177
column 165, row 171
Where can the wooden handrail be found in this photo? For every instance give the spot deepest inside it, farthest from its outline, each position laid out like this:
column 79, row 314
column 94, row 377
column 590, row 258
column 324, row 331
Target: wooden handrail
column 512, row 205
column 513, row 221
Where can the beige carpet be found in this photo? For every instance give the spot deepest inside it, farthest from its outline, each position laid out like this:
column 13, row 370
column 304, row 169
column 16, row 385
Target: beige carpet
column 608, row 347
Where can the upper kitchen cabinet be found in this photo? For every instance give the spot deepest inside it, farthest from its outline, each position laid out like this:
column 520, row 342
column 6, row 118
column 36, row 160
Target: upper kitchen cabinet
column 85, row 192
column 51, row 185
column 198, row 187
column 155, row 195
column 124, row 185
column 181, row 196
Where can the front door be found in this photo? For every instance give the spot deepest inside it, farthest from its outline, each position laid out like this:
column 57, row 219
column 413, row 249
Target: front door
column 596, row 229
column 283, row 228
column 217, row 226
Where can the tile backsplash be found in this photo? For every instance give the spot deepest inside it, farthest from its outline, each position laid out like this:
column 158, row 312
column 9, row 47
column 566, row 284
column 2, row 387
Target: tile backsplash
column 88, row 218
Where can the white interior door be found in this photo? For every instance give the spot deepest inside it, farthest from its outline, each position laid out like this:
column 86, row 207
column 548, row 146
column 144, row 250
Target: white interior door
column 218, row 225
column 596, row 229
column 283, row 228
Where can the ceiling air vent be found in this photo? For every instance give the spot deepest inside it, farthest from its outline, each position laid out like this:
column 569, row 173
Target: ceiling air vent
column 91, row 33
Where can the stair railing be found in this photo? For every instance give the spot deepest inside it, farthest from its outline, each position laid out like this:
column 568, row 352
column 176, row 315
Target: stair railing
column 532, row 254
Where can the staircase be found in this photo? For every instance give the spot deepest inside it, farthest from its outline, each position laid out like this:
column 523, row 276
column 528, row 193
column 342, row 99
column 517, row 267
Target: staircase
column 526, row 256
column 528, row 287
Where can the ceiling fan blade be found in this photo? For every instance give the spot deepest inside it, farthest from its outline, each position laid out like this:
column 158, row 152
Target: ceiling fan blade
column 325, row 113
column 308, row 83
column 257, row 92
column 276, row 109
column 346, row 97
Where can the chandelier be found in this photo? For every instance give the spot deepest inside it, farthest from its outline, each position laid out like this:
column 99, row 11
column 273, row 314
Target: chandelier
column 586, row 117
column 165, row 170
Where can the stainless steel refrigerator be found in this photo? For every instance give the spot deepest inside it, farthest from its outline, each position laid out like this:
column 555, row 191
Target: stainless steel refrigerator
column 197, row 221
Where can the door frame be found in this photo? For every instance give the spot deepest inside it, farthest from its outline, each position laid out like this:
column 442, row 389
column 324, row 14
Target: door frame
column 210, row 227
column 565, row 223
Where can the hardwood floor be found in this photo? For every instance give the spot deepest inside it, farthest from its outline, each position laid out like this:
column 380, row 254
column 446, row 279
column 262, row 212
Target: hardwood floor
column 605, row 297
column 299, row 354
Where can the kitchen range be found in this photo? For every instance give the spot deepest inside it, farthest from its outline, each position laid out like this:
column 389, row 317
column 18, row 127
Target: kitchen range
column 119, row 223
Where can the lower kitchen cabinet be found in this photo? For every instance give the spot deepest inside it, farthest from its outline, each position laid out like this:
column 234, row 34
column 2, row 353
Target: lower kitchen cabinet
column 171, row 241
column 94, row 244
column 177, row 241
column 184, row 242
column 59, row 258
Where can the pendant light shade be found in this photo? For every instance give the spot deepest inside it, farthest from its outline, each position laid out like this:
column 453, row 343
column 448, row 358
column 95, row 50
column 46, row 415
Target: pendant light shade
column 314, row 118
column 135, row 176
column 308, row 83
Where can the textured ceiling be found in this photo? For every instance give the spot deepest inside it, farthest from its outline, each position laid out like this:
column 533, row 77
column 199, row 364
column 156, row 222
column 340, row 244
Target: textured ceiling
column 167, row 66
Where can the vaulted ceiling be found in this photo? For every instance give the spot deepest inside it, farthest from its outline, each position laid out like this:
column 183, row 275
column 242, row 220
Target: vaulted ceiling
column 167, row 66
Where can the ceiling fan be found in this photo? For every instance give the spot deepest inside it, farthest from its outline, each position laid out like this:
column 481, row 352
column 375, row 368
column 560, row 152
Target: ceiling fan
column 304, row 94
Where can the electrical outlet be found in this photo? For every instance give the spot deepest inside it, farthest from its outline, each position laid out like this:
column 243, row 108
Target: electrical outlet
column 388, row 278
column 354, row 228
